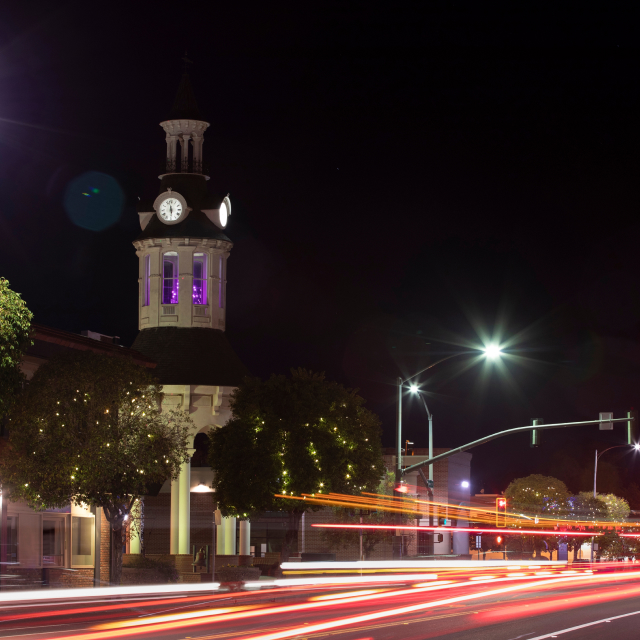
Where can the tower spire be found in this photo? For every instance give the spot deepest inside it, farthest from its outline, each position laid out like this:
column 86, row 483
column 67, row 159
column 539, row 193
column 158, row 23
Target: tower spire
column 185, row 105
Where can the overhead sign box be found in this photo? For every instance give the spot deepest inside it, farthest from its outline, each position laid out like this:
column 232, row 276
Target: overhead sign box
column 604, row 424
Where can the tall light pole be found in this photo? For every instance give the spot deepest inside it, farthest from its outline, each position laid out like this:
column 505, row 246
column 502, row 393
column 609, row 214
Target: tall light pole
column 491, row 352
column 636, row 446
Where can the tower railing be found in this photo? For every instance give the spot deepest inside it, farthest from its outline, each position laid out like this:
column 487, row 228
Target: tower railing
column 180, row 166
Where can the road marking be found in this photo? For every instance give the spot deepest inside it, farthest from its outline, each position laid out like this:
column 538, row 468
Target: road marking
column 555, row 634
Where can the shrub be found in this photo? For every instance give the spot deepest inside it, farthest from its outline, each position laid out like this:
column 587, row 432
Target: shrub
column 164, row 567
column 232, row 573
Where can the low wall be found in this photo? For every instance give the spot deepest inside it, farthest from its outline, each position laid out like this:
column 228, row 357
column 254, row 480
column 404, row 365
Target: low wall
column 16, row 578
column 142, row 576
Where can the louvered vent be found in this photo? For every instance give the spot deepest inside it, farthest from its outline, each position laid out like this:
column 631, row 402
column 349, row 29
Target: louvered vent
column 168, row 311
column 200, row 311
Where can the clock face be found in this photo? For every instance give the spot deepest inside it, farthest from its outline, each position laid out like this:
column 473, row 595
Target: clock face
column 170, row 209
column 224, row 214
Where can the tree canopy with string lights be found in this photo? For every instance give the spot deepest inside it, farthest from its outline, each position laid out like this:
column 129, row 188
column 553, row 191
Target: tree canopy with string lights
column 15, row 330
column 292, row 436
column 90, row 430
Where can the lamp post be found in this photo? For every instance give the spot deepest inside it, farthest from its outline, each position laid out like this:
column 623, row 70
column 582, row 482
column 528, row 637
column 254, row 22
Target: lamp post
column 636, row 446
column 492, row 352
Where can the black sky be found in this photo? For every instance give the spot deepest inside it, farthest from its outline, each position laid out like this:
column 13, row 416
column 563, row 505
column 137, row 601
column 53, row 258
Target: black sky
column 405, row 180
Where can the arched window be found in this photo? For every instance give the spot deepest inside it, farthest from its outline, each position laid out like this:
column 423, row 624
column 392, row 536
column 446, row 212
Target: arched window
column 199, row 278
column 170, row 281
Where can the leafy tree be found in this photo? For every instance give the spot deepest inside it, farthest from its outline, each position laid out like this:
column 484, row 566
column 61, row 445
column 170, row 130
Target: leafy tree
column 585, row 507
column 537, row 494
column 90, row 430
column 15, row 328
column 291, row 436
column 617, row 508
column 614, row 509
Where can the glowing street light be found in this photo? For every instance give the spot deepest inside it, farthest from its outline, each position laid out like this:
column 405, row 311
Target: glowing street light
column 492, row 351
column 414, row 388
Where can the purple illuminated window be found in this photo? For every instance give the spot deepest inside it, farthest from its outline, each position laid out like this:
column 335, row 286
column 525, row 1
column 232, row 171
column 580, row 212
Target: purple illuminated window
column 170, row 278
column 199, row 278
column 147, row 280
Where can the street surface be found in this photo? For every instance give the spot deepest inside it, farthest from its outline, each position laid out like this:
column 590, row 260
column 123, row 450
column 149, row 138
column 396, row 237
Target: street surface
column 506, row 603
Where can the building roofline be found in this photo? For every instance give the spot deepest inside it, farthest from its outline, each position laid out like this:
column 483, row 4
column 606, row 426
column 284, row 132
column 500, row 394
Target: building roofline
column 82, row 343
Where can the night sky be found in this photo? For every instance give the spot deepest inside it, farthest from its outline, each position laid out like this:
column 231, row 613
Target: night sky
column 406, row 184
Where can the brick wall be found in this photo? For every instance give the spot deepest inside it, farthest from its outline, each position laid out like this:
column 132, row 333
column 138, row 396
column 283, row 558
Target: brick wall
column 105, row 550
column 202, row 507
column 157, row 517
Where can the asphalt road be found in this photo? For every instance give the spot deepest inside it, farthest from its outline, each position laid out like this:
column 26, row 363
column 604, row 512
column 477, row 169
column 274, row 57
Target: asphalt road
column 503, row 606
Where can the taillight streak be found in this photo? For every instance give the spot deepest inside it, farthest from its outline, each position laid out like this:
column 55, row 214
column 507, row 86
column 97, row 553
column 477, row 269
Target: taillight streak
column 332, row 624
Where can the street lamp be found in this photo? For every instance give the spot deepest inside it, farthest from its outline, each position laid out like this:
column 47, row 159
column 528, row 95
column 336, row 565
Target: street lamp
column 598, row 455
column 635, row 446
column 491, row 352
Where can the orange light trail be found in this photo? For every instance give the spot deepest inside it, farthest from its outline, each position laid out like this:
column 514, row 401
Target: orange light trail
column 467, row 529
column 412, row 505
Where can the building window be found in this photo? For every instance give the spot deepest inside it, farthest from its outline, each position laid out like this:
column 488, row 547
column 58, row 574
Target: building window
column 147, row 281
column 221, row 285
column 199, row 278
column 53, row 542
column 170, row 278
column 12, row 539
column 82, row 541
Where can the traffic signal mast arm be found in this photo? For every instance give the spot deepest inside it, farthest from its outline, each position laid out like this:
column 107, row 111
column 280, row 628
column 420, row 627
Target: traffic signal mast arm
column 500, row 434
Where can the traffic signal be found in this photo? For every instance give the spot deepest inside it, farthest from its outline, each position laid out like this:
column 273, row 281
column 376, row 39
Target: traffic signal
column 499, row 540
column 401, row 487
column 633, row 428
column 501, row 512
column 536, row 434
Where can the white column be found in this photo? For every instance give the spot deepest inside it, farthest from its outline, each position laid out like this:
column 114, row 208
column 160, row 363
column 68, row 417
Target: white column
column 185, row 151
column 134, row 543
column 245, row 538
column 220, row 538
column 171, row 150
column 197, row 147
column 229, row 525
column 184, row 508
column 175, row 514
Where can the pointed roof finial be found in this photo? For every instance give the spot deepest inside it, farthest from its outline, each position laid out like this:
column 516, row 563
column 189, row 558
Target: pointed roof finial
column 186, row 61
column 185, row 105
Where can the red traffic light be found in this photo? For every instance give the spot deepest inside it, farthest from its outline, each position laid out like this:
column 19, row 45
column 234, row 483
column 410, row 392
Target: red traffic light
column 401, row 487
column 502, row 503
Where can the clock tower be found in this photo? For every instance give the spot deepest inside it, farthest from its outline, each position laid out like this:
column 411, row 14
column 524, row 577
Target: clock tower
column 183, row 252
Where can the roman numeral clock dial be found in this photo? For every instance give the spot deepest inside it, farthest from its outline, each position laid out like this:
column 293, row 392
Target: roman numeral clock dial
column 170, row 209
